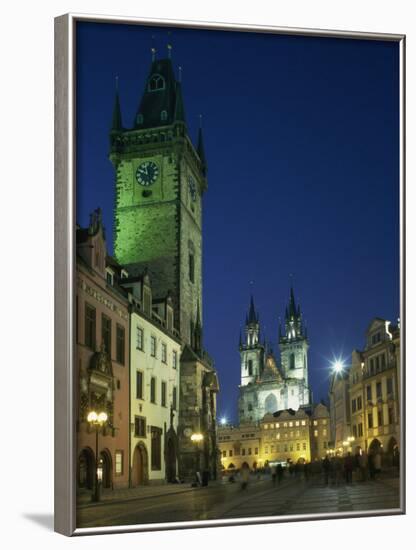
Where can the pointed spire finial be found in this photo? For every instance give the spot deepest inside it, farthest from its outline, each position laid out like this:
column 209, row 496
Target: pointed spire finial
column 200, row 148
column 169, row 45
column 116, row 124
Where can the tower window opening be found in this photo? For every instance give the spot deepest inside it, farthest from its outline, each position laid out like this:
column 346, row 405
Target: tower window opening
column 292, row 361
column 156, row 83
column 250, row 367
column 191, row 268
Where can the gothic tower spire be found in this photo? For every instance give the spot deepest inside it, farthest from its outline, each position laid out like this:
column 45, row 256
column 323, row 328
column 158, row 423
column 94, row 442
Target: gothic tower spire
column 117, row 125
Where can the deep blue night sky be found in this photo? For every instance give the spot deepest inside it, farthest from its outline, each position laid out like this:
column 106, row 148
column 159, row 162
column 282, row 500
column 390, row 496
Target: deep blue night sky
column 302, row 143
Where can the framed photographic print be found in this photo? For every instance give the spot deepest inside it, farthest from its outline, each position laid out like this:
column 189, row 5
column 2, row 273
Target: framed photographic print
column 229, row 274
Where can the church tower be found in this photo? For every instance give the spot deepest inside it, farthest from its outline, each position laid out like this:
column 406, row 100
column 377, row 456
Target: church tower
column 160, row 182
column 294, row 343
column 251, row 350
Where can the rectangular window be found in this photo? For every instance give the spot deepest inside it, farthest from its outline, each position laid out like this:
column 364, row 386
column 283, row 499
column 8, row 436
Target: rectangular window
column 354, row 405
column 163, row 394
column 377, row 363
column 90, row 326
column 230, row 453
column 249, row 451
column 391, row 415
column 140, row 426
column 378, row 390
column 380, row 419
column 303, row 422
column 389, row 386
column 372, row 366
column 164, row 353
column 369, row 395
column 256, row 451
column 224, row 454
column 324, row 432
column 291, row 447
column 153, row 389
column 139, row 338
column 325, row 444
column 120, row 344
column 359, row 403
column 304, row 446
column 119, row 462
column 174, row 398
column 156, row 447
column 383, row 361
column 370, row 420
column 106, row 333
column 298, row 446
column 360, row 429
column 153, row 346
column 175, row 359
column 191, row 268
column 315, row 433
column 139, row 385
column 354, row 430
column 243, row 451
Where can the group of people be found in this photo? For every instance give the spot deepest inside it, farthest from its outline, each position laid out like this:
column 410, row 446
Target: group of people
column 338, row 468
column 335, row 469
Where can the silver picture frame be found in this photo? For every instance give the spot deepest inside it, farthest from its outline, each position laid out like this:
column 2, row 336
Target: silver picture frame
column 65, row 190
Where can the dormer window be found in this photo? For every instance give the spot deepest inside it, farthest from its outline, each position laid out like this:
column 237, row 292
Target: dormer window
column 163, row 116
column 110, row 277
column 156, row 83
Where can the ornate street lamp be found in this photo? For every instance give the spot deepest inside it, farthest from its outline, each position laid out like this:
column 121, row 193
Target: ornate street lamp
column 97, row 420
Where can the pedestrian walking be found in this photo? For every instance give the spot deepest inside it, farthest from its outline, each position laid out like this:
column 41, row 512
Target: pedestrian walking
column 371, row 466
column 280, row 473
column 348, row 467
column 274, row 475
column 326, row 466
column 363, row 465
column 377, row 463
column 245, row 476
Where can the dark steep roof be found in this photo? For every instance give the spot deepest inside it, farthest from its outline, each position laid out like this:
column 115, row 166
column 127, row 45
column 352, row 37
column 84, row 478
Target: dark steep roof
column 165, row 98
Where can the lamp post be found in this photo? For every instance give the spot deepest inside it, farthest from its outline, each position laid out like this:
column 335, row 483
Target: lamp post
column 337, row 368
column 196, row 438
column 96, row 420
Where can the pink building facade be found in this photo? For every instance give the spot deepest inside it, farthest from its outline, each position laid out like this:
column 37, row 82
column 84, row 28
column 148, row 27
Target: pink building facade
column 102, row 362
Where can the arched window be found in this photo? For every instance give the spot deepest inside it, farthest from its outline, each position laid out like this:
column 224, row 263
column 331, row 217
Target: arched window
column 156, row 83
column 292, row 361
column 163, row 115
column 270, row 405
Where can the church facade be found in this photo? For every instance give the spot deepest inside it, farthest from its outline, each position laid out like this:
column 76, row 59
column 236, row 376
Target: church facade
column 267, row 384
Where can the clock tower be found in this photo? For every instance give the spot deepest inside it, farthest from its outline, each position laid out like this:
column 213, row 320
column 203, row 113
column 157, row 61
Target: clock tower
column 160, row 182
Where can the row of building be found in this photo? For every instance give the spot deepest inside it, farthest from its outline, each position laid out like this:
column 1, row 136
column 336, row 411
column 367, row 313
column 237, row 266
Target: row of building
column 278, row 421
column 364, row 395
column 133, row 365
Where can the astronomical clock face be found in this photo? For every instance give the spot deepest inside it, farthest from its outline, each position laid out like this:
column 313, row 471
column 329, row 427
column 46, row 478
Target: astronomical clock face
column 192, row 188
column 147, row 173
